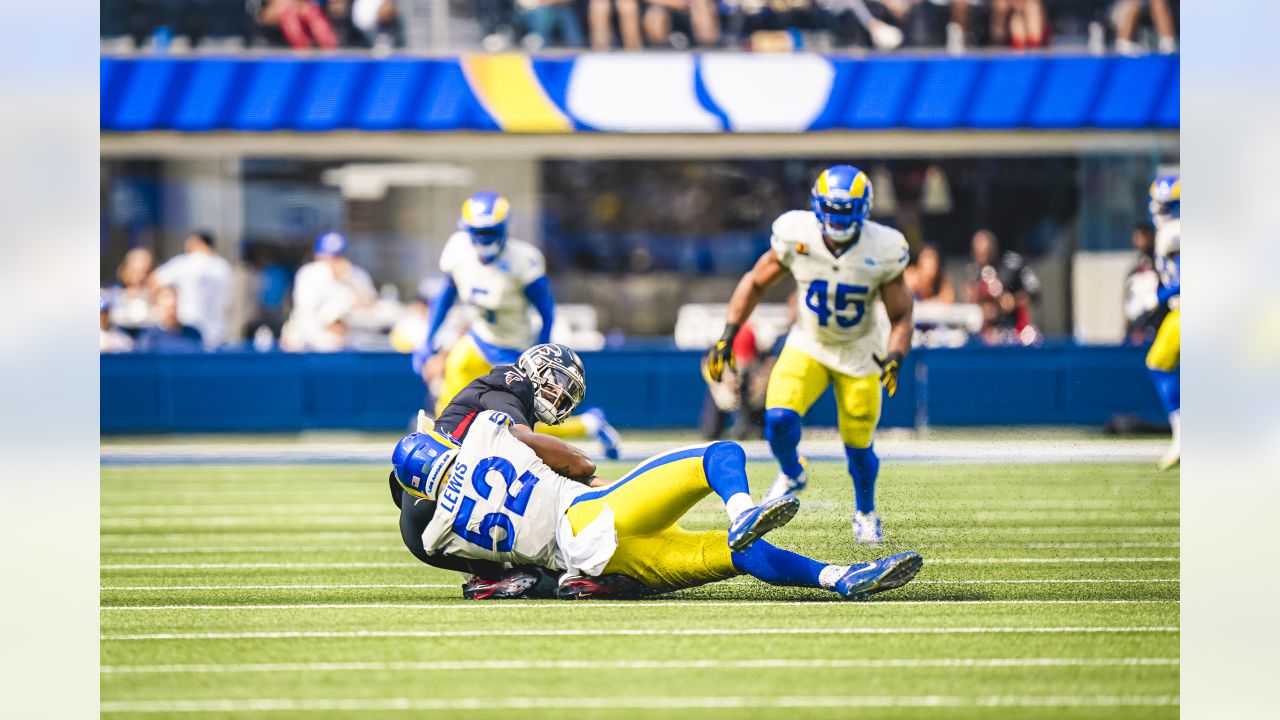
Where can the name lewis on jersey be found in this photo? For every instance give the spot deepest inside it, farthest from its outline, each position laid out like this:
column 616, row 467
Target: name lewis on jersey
column 453, row 491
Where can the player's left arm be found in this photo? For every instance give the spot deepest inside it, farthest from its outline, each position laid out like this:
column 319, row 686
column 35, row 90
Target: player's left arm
column 898, row 304
column 558, row 455
column 539, row 294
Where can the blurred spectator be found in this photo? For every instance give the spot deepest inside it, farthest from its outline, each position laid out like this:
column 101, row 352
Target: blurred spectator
column 1019, row 24
column 1004, row 286
column 701, row 15
column 1143, row 312
column 130, row 301
column 882, row 33
column 926, row 279
column 168, row 334
column 300, row 23
column 600, row 19
column 203, row 280
column 110, row 340
column 325, row 290
column 174, row 24
column 410, row 331
column 1125, row 15
column 551, row 23
column 366, row 23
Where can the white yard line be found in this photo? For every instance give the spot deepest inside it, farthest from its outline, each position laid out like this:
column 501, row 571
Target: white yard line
column 640, row 703
column 407, row 564
column 780, row 663
column 611, row 604
column 392, row 586
column 565, row 632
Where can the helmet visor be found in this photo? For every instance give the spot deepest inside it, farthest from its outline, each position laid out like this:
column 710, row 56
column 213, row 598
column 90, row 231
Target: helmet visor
column 561, row 391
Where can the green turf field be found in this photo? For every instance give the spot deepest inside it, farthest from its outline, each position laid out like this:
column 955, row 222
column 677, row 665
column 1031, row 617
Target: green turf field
column 1048, row 591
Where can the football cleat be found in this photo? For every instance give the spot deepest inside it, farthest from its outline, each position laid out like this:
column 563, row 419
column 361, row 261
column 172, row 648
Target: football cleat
column 784, row 485
column 754, row 523
column 524, row 582
column 613, row 586
column 866, row 528
column 887, row 573
column 1171, row 458
column 608, row 436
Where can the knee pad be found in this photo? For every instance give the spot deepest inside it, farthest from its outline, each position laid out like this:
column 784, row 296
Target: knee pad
column 782, row 424
column 723, row 457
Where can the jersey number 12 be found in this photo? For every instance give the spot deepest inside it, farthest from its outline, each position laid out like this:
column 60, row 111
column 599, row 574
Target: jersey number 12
column 846, row 297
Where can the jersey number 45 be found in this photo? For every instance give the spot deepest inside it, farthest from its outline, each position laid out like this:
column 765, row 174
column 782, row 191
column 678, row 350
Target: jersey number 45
column 845, row 298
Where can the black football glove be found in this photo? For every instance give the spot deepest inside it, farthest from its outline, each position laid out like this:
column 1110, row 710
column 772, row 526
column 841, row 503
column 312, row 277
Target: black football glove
column 889, row 366
column 721, row 356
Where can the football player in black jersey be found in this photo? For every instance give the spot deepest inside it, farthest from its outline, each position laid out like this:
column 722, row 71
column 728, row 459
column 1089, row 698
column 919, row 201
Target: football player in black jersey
column 545, row 385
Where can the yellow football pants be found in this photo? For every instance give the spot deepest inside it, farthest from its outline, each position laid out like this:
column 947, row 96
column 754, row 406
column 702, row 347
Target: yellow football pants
column 798, row 381
column 647, row 503
column 1166, row 350
column 465, row 363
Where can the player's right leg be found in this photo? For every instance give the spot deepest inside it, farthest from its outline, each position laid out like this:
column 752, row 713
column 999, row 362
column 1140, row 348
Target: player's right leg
column 464, row 363
column 795, row 384
column 1163, row 361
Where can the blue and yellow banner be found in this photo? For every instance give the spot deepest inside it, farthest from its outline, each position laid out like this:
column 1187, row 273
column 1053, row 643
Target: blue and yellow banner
column 638, row 93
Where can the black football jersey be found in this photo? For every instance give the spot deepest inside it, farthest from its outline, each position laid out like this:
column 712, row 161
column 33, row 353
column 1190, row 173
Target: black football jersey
column 505, row 389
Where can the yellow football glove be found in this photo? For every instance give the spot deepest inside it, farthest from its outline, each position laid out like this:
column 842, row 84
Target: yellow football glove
column 721, row 356
column 889, row 366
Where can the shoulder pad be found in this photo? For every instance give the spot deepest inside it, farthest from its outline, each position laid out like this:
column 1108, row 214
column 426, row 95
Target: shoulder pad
column 790, row 232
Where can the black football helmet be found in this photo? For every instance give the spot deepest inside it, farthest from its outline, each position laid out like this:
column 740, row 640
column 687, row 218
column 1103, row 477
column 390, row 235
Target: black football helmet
column 559, row 380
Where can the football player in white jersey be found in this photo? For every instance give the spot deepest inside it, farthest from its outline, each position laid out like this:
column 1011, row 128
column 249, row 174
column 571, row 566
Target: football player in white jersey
column 501, row 280
column 844, row 266
column 495, row 498
column 1163, row 359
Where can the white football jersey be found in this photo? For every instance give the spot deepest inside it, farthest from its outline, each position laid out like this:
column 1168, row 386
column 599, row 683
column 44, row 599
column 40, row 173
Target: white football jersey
column 840, row 322
column 501, row 502
column 494, row 293
column 1168, row 245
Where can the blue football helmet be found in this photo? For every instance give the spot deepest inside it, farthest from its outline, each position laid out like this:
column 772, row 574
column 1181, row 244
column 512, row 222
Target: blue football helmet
column 484, row 217
column 331, row 243
column 842, row 201
column 421, row 460
column 1166, row 198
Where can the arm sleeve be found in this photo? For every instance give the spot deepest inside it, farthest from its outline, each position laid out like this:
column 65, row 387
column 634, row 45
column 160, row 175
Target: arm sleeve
column 439, row 311
column 539, row 293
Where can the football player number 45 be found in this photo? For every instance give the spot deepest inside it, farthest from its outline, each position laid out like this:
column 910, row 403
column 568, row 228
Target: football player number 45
column 847, row 304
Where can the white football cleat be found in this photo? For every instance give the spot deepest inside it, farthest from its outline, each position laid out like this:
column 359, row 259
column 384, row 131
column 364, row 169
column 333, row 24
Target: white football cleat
column 866, row 528
column 784, row 485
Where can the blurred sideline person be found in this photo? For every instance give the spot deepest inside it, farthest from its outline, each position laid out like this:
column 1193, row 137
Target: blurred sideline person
column 499, row 279
column 926, row 279
column 202, row 280
column 1143, row 312
column 325, row 290
column 168, row 334
column 1005, row 287
column 506, row 495
column 110, row 339
column 131, row 300
column 843, row 265
column 1164, row 357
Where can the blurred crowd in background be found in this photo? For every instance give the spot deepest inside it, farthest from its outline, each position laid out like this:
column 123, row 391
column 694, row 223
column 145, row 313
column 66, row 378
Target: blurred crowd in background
column 1127, row 26
column 628, row 244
